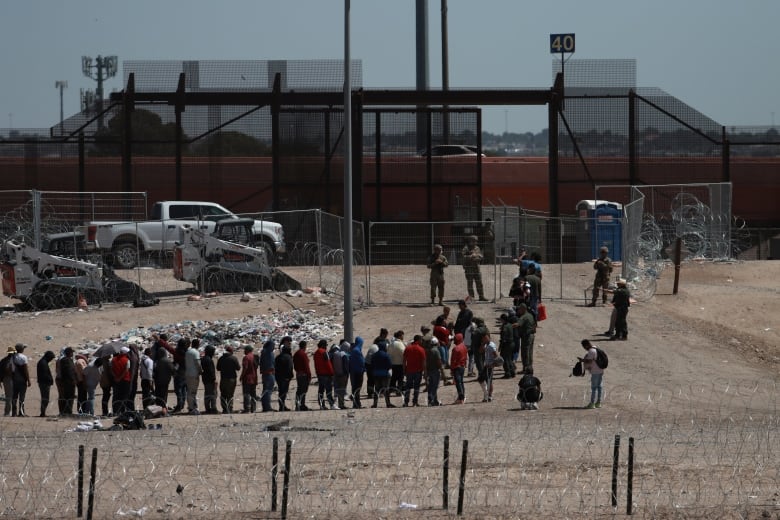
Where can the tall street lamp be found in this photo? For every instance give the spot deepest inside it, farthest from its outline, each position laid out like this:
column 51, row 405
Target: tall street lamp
column 61, row 85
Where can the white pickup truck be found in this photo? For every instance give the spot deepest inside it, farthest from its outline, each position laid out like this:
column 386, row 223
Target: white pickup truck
column 126, row 240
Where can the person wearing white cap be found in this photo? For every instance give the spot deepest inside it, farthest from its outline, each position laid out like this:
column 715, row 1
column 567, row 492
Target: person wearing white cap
column 621, row 299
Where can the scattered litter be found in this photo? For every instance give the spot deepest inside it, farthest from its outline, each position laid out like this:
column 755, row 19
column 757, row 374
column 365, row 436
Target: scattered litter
column 86, row 426
column 194, row 298
column 133, row 512
column 405, row 505
column 294, row 294
column 299, row 324
column 246, row 297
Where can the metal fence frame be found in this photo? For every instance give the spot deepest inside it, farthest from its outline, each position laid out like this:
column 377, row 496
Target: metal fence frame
column 38, row 213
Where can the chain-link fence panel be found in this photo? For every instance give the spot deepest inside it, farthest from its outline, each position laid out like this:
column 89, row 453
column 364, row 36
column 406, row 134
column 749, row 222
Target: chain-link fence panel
column 400, row 252
column 17, row 215
column 315, row 251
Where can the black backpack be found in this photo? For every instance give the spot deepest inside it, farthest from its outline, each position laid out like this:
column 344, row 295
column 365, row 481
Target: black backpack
column 131, row 420
column 602, row 360
column 578, row 370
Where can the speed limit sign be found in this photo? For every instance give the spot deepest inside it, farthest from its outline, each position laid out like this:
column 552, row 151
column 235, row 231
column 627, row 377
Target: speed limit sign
column 560, row 43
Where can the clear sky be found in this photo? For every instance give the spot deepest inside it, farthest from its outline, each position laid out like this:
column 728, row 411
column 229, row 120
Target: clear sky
column 721, row 57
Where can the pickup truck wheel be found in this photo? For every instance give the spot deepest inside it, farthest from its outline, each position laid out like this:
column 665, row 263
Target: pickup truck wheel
column 125, row 256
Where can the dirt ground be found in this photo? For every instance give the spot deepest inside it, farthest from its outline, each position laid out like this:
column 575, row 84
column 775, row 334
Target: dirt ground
column 709, row 356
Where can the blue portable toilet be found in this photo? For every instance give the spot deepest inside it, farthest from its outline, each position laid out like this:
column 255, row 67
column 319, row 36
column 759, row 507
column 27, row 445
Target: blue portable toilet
column 599, row 224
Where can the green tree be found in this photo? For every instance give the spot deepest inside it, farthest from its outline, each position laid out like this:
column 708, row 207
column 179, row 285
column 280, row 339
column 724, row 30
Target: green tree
column 150, row 136
column 231, row 144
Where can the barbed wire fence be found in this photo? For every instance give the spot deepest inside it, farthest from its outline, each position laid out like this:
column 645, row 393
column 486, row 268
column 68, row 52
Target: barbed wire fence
column 702, row 451
column 315, row 254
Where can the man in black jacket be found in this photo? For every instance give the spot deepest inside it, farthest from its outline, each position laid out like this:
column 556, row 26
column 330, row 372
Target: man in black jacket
column 228, row 367
column 45, row 379
column 283, row 367
column 209, row 377
column 68, row 381
column 621, row 299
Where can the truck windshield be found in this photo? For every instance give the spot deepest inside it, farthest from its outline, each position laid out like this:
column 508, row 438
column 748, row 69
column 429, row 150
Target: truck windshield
column 214, row 213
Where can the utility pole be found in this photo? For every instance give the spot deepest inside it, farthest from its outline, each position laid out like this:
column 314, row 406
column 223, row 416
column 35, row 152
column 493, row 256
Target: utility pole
column 105, row 68
column 61, row 85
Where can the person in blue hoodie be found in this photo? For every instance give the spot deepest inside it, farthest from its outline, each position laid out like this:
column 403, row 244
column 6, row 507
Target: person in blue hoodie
column 357, row 367
column 381, row 366
column 339, row 356
column 267, row 376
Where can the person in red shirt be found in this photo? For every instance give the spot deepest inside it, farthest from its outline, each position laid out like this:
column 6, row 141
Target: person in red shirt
column 249, row 380
column 302, row 376
column 442, row 333
column 121, row 376
column 325, row 373
column 414, row 366
column 458, row 361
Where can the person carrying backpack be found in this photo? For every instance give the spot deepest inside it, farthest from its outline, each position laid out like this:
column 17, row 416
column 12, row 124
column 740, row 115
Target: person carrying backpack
column 21, row 377
column 596, row 374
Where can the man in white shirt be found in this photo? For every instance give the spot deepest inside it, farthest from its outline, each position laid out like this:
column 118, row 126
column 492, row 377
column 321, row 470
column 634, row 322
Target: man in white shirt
column 192, row 371
column 596, row 374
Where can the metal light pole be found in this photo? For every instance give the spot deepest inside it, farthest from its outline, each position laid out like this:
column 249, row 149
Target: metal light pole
column 445, row 71
column 61, row 85
column 105, row 68
column 348, row 318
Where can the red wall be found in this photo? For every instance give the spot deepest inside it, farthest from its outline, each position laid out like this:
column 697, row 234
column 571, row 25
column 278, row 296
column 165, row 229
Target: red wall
column 244, row 184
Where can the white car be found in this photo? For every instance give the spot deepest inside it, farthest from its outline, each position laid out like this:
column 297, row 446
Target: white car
column 449, row 150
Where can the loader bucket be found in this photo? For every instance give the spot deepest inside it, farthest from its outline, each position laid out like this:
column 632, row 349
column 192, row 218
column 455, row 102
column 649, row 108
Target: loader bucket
column 284, row 282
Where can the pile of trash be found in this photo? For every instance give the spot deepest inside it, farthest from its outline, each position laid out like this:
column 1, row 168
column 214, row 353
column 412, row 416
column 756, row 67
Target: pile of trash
column 248, row 330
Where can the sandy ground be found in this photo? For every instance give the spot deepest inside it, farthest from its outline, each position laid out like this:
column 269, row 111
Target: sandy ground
column 707, row 356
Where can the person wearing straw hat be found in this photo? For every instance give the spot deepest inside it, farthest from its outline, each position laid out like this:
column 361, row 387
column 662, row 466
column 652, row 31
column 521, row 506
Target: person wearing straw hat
column 621, row 299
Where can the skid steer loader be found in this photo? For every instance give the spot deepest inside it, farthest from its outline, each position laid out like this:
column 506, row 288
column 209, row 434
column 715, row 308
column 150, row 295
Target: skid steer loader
column 43, row 281
column 226, row 260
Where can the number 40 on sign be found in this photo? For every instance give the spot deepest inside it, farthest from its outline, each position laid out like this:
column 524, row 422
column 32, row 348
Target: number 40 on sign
column 560, row 43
